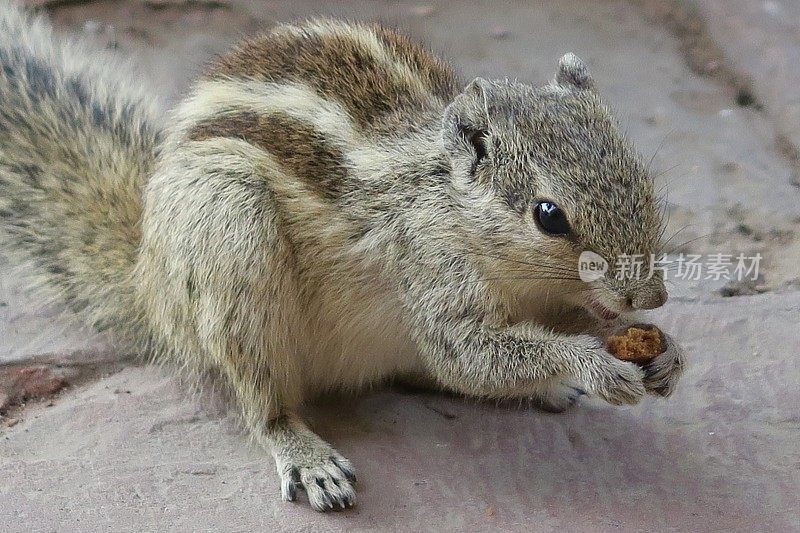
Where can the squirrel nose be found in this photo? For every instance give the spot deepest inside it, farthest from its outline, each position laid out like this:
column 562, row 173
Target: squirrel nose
column 648, row 299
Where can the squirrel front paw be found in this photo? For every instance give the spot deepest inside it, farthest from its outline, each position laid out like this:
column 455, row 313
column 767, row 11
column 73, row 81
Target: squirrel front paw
column 620, row 383
column 617, row 382
column 663, row 372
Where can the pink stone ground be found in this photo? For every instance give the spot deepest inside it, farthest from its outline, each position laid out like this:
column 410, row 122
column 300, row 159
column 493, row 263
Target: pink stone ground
column 91, row 441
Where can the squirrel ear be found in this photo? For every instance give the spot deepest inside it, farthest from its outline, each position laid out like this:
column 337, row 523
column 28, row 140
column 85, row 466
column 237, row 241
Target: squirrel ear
column 466, row 119
column 572, row 72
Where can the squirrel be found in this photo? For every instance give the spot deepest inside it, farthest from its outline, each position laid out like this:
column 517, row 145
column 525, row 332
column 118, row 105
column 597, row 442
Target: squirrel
column 331, row 207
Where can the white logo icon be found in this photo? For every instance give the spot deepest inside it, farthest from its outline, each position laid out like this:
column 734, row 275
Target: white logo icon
column 591, row 266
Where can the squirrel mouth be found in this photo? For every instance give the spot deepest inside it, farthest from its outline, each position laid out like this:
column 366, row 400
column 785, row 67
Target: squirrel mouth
column 602, row 311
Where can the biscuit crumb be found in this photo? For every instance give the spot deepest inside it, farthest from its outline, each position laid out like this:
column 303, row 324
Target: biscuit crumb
column 636, row 345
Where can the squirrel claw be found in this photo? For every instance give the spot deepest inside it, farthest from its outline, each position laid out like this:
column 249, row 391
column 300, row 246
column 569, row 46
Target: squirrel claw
column 328, row 484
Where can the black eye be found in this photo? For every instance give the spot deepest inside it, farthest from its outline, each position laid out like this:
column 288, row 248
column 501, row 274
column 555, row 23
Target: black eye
column 551, row 218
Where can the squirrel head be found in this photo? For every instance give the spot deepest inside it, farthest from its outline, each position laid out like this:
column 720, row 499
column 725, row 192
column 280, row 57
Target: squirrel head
column 547, row 174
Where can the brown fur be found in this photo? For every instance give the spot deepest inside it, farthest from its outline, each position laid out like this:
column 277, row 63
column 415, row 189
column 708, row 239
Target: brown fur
column 296, row 146
column 324, row 59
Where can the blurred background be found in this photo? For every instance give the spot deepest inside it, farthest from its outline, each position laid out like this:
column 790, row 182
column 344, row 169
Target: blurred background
column 709, row 89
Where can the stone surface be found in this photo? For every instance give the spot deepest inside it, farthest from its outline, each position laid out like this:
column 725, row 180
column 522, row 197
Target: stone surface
column 133, row 449
column 720, row 455
column 762, row 40
column 20, row 384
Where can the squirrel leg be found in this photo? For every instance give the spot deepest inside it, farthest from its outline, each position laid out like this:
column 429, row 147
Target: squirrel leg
column 467, row 349
column 554, row 395
column 522, row 360
column 219, row 278
column 303, row 460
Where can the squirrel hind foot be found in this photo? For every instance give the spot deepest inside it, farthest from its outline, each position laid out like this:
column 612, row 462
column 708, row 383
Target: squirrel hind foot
column 306, row 462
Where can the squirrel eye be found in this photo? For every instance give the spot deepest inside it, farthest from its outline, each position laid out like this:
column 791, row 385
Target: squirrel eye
column 551, row 219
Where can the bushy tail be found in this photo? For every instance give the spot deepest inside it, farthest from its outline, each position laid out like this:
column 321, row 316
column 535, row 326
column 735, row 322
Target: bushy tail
column 77, row 143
